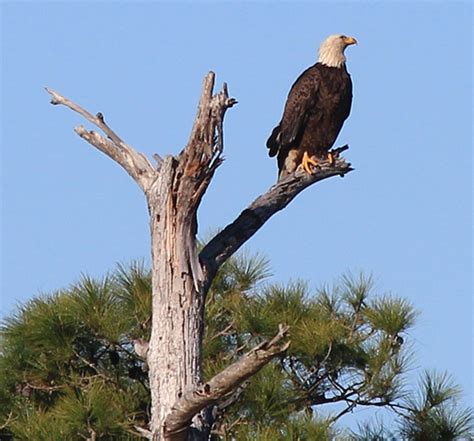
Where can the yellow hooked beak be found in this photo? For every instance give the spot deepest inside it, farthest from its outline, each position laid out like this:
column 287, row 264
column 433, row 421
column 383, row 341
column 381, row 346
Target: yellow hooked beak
column 350, row 40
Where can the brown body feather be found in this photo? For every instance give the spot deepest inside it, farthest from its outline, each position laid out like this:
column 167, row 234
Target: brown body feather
column 317, row 106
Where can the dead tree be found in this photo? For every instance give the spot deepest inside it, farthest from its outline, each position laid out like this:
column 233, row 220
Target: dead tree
column 181, row 401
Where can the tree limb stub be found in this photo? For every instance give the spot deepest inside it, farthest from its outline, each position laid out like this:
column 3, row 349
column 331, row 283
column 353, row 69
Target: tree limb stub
column 135, row 163
column 224, row 382
column 202, row 154
column 234, row 235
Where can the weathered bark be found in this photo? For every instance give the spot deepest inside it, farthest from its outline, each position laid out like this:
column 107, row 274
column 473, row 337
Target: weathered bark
column 181, row 278
column 175, row 353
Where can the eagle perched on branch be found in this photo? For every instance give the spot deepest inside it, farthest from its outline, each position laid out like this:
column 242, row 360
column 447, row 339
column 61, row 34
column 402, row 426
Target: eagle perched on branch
column 318, row 104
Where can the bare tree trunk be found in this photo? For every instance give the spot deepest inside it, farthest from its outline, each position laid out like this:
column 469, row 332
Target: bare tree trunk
column 181, row 277
column 176, row 340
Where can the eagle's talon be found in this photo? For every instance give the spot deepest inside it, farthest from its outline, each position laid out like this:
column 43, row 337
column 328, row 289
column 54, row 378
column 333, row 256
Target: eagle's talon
column 306, row 161
column 331, row 159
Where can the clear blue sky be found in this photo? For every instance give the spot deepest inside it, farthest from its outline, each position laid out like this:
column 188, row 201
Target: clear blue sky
column 404, row 214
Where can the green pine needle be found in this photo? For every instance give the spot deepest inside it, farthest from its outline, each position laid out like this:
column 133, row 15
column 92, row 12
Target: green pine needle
column 390, row 314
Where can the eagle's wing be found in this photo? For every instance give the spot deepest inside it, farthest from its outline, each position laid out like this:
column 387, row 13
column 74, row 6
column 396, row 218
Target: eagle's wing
column 300, row 103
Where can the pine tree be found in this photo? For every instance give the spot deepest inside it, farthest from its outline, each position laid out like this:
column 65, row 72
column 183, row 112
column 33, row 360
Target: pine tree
column 73, row 363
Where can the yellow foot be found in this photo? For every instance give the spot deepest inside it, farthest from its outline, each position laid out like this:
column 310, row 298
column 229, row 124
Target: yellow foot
column 331, row 158
column 306, row 161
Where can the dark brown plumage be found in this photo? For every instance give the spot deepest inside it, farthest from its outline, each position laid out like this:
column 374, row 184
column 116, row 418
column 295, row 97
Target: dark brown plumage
column 317, row 106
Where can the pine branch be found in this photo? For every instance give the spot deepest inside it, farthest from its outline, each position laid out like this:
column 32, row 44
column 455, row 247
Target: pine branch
column 144, row 432
column 95, row 368
column 348, row 409
column 9, row 419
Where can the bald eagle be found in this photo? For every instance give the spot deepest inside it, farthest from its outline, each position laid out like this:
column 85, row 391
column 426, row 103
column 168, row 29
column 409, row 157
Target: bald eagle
column 318, row 104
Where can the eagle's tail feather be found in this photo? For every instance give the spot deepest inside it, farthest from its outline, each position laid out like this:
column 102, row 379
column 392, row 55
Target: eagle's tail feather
column 273, row 143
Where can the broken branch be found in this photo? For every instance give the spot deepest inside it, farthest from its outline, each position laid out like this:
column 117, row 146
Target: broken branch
column 226, row 381
column 135, row 163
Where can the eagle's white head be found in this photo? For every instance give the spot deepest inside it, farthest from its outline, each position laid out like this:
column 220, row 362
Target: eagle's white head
column 331, row 51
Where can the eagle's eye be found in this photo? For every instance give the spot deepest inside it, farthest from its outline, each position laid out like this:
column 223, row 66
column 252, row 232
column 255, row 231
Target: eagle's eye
column 343, row 37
